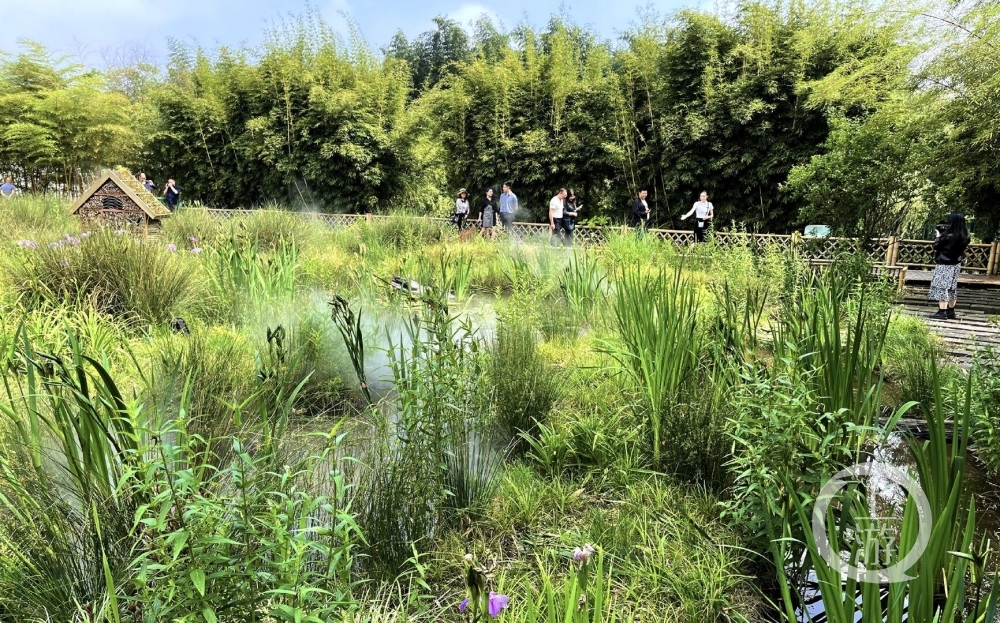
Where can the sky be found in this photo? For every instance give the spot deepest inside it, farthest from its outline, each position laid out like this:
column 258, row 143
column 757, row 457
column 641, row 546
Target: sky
column 95, row 30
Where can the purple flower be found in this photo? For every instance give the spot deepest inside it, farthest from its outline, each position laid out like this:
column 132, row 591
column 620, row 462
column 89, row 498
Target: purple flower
column 72, row 240
column 582, row 555
column 465, row 604
column 497, row 603
column 27, row 244
column 196, row 250
column 193, row 240
column 171, row 247
column 55, row 245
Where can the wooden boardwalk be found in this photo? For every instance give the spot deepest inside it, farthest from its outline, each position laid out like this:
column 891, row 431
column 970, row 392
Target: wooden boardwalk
column 975, row 329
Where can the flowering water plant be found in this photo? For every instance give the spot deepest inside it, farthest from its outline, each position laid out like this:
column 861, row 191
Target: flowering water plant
column 479, row 602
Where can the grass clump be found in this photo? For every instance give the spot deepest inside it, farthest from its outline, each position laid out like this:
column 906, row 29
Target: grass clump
column 114, row 273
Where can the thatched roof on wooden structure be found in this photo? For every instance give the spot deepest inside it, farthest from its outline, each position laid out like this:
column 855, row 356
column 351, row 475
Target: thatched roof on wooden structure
column 117, row 195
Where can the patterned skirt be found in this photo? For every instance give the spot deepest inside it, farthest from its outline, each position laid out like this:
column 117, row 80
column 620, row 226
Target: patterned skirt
column 488, row 219
column 944, row 285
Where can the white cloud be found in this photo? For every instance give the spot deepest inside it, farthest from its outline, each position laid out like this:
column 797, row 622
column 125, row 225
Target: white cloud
column 469, row 14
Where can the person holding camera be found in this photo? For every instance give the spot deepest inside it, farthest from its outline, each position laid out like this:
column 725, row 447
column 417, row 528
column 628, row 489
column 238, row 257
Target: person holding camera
column 172, row 195
column 952, row 239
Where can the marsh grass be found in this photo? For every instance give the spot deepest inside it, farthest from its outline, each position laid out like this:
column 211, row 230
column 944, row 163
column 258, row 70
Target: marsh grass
column 40, row 218
column 117, row 275
column 526, row 386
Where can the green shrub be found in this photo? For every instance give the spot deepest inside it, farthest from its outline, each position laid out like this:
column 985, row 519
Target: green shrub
column 240, row 540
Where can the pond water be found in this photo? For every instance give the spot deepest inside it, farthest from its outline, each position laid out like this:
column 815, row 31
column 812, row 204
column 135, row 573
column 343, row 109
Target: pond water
column 889, row 499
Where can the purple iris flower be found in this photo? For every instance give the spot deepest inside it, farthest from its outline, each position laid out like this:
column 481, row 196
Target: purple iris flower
column 72, row 240
column 465, row 604
column 27, row 244
column 55, row 245
column 171, row 247
column 196, row 250
column 497, row 603
column 193, row 240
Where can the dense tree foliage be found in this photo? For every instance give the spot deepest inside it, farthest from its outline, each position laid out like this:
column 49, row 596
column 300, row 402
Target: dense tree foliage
column 870, row 117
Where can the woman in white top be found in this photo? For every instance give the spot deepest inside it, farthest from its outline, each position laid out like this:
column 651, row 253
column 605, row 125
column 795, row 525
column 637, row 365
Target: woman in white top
column 461, row 208
column 703, row 212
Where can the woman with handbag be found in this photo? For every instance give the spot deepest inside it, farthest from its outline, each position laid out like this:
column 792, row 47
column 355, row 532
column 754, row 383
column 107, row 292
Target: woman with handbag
column 949, row 251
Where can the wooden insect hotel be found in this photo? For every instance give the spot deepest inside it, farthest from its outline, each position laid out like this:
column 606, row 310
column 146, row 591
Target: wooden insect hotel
column 117, row 199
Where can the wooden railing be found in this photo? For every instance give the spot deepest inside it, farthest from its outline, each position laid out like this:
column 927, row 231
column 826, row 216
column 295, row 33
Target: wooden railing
column 902, row 252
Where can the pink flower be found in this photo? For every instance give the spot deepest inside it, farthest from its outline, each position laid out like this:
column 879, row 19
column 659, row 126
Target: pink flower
column 193, row 240
column 171, row 247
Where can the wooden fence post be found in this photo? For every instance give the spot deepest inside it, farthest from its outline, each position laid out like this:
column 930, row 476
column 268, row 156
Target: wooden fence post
column 991, row 265
column 796, row 241
column 892, row 251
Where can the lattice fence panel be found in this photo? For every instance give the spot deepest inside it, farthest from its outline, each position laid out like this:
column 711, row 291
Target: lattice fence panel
column 827, row 249
column 977, row 258
column 915, row 253
column 225, row 215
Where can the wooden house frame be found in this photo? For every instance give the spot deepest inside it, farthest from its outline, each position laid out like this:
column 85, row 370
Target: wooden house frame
column 117, row 199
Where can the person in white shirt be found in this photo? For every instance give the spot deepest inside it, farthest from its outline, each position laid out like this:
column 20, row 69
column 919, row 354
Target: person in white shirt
column 556, row 213
column 704, row 212
column 461, row 209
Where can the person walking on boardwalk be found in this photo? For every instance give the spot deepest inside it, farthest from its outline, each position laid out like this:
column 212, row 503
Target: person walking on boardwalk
column 461, row 209
column 487, row 220
column 556, row 207
column 703, row 212
column 949, row 251
column 570, row 213
column 640, row 210
column 508, row 206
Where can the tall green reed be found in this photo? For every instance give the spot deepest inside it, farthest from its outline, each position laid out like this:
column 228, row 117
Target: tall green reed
column 71, row 438
column 582, row 283
column 656, row 317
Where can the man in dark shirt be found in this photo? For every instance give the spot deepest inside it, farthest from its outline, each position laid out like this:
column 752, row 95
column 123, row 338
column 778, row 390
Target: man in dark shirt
column 172, row 194
column 640, row 210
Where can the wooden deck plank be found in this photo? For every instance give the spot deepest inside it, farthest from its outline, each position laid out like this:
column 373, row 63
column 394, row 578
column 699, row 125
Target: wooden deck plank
column 963, row 338
column 925, row 276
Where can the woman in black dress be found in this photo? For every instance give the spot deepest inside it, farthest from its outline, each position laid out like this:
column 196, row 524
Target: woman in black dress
column 487, row 219
column 949, row 251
